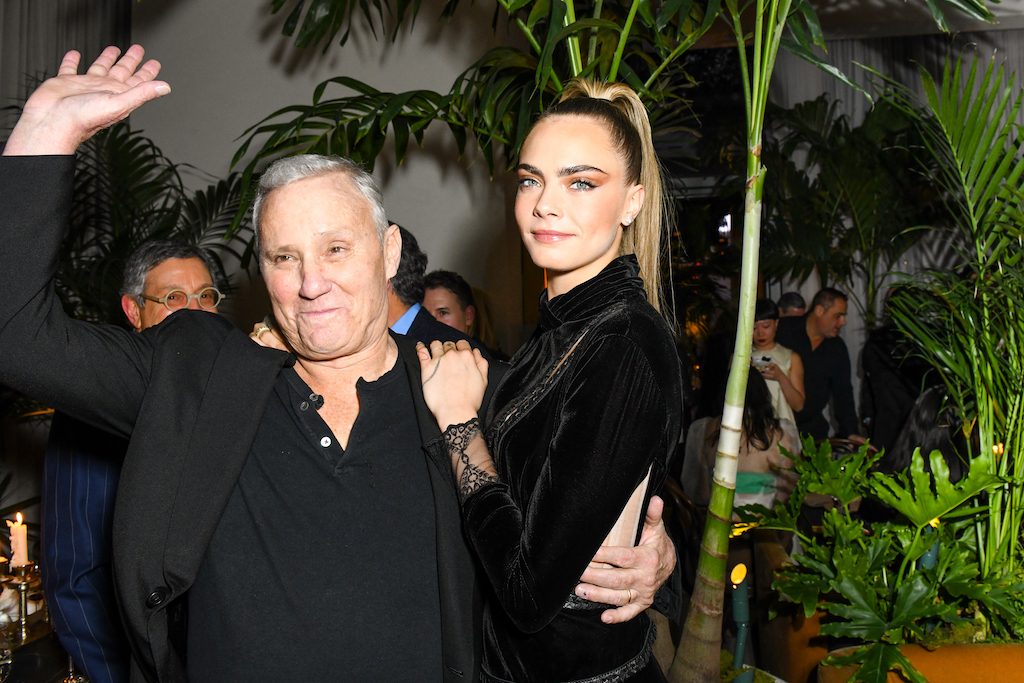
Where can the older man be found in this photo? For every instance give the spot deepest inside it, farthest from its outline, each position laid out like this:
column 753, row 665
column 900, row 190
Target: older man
column 279, row 505
column 83, row 466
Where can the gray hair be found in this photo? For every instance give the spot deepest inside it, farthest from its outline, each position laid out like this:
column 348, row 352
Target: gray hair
column 152, row 254
column 291, row 169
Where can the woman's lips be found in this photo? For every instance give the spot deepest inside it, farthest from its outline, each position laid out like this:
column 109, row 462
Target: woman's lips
column 550, row 236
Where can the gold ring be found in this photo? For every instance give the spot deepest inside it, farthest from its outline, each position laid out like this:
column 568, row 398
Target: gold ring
column 629, row 596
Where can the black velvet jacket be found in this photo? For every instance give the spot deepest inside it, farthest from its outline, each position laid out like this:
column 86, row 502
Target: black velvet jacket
column 590, row 404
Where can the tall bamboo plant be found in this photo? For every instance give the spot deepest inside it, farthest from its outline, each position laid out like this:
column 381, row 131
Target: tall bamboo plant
column 697, row 657
column 969, row 321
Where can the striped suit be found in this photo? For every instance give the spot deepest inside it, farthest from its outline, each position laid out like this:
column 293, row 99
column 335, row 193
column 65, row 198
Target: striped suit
column 83, row 465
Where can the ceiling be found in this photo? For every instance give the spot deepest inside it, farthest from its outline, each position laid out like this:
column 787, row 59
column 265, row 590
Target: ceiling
column 886, row 18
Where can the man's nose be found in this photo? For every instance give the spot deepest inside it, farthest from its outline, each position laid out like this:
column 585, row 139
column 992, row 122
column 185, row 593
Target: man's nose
column 313, row 281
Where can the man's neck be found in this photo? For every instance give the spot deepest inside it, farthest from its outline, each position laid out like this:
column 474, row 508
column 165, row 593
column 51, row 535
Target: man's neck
column 813, row 334
column 370, row 363
column 396, row 308
column 335, row 380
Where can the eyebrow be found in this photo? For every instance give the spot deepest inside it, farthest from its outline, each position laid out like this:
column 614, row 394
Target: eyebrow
column 562, row 172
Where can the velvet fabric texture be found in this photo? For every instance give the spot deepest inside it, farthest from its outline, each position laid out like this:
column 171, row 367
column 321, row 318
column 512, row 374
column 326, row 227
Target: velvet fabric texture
column 591, row 403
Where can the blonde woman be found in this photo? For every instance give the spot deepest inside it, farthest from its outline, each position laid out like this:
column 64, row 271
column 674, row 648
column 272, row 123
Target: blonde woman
column 582, row 425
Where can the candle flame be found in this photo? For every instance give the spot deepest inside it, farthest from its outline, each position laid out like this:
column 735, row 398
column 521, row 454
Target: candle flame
column 18, row 516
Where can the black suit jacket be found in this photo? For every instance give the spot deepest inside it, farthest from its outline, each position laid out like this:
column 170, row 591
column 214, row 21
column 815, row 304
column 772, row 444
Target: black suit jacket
column 191, row 393
column 426, row 328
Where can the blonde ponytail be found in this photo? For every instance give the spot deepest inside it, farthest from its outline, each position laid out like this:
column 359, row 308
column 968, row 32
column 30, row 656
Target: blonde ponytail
column 644, row 237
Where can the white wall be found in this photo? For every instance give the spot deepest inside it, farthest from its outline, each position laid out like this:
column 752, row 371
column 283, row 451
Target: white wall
column 229, row 67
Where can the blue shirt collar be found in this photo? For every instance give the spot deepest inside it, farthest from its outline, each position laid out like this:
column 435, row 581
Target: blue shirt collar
column 403, row 324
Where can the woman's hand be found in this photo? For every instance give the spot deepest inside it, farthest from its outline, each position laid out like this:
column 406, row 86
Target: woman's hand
column 454, row 380
column 773, row 371
column 265, row 333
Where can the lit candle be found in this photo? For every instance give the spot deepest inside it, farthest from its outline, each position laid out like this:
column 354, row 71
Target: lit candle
column 19, row 542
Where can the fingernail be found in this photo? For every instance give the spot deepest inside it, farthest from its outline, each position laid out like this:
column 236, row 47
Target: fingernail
column 581, row 592
column 162, row 90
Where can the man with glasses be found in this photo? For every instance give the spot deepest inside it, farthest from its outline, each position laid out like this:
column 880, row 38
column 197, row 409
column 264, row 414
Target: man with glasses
column 83, row 466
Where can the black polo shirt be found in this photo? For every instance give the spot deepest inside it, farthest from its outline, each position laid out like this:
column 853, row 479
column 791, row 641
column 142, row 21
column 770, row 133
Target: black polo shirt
column 323, row 566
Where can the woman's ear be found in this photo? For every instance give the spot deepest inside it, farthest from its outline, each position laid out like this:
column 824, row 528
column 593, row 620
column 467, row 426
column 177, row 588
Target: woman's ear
column 634, row 202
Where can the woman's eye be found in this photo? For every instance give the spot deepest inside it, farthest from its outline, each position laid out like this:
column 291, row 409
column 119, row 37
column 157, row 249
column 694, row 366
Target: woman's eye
column 528, row 182
column 582, row 184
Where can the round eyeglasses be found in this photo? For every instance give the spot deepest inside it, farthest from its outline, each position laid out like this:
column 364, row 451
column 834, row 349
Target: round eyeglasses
column 177, row 299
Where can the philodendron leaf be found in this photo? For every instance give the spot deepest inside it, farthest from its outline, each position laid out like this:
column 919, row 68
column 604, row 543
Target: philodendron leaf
column 864, row 615
column 913, row 497
column 844, row 478
column 915, row 599
column 881, row 658
column 801, row 588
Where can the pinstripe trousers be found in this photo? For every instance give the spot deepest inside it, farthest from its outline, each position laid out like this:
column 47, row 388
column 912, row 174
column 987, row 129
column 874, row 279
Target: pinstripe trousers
column 82, row 468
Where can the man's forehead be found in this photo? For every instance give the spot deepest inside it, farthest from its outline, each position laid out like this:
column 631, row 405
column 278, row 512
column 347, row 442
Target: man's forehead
column 178, row 269
column 324, row 206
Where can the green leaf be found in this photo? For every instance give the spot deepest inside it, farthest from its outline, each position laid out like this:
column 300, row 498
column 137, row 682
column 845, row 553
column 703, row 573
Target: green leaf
column 914, row 498
column 864, row 616
column 540, row 10
column 880, row 659
column 800, row 47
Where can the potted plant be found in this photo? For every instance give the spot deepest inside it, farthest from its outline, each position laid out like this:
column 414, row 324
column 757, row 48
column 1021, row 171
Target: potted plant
column 915, row 579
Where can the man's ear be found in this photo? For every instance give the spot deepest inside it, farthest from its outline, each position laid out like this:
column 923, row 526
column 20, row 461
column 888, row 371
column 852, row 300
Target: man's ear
column 392, row 250
column 470, row 315
column 820, row 311
column 131, row 310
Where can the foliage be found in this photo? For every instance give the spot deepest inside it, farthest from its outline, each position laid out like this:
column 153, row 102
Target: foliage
column 853, row 209
column 894, row 582
column 967, row 321
column 127, row 193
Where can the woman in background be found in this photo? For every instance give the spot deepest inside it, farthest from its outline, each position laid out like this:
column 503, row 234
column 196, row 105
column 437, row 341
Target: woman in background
column 780, row 367
column 581, row 426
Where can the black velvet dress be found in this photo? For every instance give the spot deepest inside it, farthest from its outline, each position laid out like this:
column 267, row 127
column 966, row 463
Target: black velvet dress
column 590, row 404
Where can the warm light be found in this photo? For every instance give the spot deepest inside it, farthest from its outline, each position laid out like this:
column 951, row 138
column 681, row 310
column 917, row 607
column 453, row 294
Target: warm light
column 739, row 572
column 19, row 517
column 997, row 449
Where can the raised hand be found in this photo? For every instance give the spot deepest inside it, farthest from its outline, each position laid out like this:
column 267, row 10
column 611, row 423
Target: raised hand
column 68, row 109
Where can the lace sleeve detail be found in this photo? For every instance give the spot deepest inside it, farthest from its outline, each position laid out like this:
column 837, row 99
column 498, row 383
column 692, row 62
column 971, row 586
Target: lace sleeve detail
column 465, row 443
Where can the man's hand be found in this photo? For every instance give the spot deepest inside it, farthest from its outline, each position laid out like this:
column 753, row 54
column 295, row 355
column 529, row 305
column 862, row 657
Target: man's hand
column 637, row 573
column 70, row 108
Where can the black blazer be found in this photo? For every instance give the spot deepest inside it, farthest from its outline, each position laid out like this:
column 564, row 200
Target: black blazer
column 426, row 328
column 190, row 392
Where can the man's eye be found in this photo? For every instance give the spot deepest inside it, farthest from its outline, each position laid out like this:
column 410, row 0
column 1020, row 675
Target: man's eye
column 175, row 298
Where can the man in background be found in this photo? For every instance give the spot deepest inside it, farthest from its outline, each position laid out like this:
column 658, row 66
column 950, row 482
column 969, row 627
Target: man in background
column 83, row 467
column 406, row 314
column 449, row 298
column 815, row 336
column 791, row 304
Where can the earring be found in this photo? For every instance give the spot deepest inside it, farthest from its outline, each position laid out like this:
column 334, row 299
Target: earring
column 628, row 222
